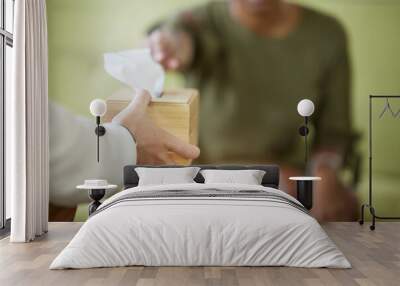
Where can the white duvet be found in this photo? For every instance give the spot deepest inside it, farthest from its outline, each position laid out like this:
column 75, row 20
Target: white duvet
column 200, row 231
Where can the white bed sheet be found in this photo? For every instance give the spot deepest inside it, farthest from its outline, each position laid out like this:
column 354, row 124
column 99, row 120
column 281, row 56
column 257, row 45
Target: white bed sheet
column 200, row 231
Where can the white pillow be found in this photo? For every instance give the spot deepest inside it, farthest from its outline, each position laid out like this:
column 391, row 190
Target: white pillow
column 248, row 177
column 162, row 176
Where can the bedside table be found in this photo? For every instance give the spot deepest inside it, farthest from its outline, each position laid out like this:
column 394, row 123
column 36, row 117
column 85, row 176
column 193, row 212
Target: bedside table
column 96, row 191
column 305, row 190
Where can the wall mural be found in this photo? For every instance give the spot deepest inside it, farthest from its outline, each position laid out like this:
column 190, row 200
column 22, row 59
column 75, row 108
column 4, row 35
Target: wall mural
column 199, row 82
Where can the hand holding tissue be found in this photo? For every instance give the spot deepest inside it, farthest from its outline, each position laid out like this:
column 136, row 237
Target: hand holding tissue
column 175, row 111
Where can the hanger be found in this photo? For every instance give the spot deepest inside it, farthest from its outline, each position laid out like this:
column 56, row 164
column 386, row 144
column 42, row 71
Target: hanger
column 388, row 108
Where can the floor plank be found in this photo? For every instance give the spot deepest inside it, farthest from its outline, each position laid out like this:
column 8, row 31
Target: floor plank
column 375, row 257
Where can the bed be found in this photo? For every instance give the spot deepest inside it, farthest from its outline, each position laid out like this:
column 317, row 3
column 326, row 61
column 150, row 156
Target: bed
column 201, row 224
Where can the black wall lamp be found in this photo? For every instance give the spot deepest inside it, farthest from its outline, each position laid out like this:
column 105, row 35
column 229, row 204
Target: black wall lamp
column 305, row 108
column 98, row 108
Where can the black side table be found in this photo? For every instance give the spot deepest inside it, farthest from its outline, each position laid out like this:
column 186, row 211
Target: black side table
column 96, row 190
column 96, row 195
column 305, row 190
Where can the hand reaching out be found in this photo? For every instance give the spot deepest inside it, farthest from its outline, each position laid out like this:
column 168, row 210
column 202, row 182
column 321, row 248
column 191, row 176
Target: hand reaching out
column 173, row 50
column 153, row 144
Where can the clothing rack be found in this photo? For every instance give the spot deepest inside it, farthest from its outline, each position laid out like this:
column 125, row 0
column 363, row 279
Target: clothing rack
column 394, row 114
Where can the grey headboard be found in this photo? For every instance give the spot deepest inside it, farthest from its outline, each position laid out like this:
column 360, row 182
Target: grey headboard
column 271, row 177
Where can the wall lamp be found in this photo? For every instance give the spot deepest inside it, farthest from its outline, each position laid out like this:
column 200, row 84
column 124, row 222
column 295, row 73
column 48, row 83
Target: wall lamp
column 305, row 108
column 98, row 108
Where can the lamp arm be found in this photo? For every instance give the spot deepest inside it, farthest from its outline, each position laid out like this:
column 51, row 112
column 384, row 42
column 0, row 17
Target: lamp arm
column 100, row 131
column 306, row 142
column 98, row 138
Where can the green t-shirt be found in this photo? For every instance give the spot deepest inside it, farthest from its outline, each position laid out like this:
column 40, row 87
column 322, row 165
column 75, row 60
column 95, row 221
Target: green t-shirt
column 250, row 86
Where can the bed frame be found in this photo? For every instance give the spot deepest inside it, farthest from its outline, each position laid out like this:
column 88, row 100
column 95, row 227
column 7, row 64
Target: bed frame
column 270, row 179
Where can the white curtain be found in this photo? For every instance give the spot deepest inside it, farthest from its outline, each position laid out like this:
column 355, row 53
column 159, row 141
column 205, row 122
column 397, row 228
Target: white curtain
column 27, row 142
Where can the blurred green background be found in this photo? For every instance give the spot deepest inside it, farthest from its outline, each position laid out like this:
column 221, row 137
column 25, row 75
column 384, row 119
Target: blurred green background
column 81, row 31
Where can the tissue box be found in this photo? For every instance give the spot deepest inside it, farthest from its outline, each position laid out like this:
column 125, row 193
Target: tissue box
column 176, row 111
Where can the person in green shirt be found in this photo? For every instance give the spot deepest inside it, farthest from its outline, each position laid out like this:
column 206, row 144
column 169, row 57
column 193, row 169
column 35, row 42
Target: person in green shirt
column 253, row 61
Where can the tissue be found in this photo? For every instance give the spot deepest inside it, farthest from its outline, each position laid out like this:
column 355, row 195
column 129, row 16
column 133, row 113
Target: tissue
column 137, row 69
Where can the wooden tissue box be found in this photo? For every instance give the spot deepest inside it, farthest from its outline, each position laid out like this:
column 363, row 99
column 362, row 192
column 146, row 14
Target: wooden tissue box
column 176, row 111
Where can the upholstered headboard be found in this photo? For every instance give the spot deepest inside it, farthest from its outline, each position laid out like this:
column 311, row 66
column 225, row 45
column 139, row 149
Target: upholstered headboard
column 270, row 179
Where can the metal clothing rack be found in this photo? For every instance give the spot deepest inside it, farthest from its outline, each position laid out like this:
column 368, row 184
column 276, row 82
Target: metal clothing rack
column 394, row 114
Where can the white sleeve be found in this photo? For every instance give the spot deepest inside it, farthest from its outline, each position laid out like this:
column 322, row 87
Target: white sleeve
column 73, row 155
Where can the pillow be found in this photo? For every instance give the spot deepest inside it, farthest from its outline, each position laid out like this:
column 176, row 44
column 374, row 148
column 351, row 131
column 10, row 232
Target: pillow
column 248, row 177
column 162, row 176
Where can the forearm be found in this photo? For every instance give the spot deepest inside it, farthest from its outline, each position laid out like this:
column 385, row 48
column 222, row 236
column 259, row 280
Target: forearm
column 333, row 201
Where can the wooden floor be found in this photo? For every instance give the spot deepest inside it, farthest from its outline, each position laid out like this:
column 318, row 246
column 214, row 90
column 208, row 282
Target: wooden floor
column 375, row 257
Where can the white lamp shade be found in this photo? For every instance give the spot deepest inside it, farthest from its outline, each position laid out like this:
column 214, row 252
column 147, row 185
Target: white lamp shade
column 98, row 107
column 305, row 107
